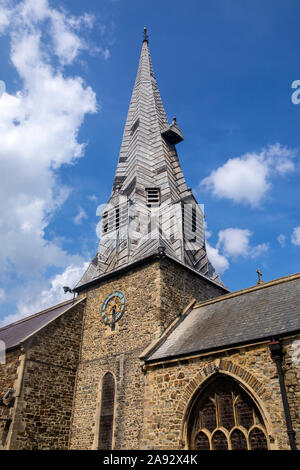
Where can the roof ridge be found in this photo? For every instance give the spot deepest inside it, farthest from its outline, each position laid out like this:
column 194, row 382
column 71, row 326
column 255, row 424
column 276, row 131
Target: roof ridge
column 230, row 295
column 240, row 321
column 29, row 317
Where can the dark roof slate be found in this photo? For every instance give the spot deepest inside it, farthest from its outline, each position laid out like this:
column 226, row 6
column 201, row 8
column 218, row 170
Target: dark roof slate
column 269, row 310
column 15, row 333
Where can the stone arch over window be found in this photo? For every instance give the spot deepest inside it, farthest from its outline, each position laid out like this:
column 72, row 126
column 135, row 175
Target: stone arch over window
column 254, row 387
column 107, row 410
column 223, row 416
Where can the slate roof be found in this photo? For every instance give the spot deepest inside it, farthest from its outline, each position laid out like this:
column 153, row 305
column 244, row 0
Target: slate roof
column 261, row 312
column 16, row 333
column 148, row 160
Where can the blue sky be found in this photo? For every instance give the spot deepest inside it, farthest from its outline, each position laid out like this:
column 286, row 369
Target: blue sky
column 224, row 69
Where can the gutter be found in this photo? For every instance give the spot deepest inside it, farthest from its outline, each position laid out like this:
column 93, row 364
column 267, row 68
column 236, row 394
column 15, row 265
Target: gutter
column 213, row 349
column 276, row 354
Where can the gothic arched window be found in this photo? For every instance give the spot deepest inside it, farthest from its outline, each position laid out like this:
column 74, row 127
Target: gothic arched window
column 224, row 417
column 107, row 412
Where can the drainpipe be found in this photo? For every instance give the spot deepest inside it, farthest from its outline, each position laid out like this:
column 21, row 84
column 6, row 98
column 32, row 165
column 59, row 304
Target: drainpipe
column 276, row 354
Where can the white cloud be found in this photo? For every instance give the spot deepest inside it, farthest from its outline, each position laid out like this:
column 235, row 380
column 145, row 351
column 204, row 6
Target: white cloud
column 4, row 15
column 235, row 242
column 80, row 216
column 106, row 53
column 2, row 294
column 66, row 42
column 281, row 240
column 296, row 236
column 93, row 198
column 232, row 243
column 219, row 261
column 70, row 276
column 258, row 250
column 208, row 233
column 39, row 127
column 53, row 295
column 246, row 179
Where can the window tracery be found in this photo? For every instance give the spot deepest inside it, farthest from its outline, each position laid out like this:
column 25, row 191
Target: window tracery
column 224, row 417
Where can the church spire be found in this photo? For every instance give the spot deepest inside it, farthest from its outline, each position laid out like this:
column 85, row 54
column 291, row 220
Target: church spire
column 151, row 209
column 147, row 153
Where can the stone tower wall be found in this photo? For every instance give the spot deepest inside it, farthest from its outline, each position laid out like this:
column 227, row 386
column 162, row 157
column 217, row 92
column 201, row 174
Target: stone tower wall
column 155, row 295
column 8, row 378
column 42, row 410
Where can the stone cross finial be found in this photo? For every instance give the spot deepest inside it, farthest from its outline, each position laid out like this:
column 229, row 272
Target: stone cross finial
column 259, row 277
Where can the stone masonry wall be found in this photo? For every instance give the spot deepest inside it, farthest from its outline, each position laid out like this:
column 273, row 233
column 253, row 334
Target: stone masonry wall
column 154, row 296
column 178, row 286
column 291, row 368
column 44, row 408
column 170, row 387
column 8, row 376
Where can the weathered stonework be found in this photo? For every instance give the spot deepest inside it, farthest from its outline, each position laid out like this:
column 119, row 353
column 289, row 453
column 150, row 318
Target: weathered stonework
column 171, row 387
column 178, row 286
column 156, row 293
column 8, row 377
column 291, row 368
column 57, row 370
column 45, row 385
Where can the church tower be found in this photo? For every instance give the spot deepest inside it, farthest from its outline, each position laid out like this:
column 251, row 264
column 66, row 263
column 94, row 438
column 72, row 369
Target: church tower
column 151, row 263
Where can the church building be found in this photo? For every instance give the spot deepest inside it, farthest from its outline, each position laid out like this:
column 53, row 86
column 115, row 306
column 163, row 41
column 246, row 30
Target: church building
column 154, row 352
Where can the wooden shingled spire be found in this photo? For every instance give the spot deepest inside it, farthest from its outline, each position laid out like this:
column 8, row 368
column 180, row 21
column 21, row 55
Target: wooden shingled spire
column 150, row 205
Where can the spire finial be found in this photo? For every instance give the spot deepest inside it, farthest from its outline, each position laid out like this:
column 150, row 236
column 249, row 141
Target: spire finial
column 146, row 37
column 259, row 277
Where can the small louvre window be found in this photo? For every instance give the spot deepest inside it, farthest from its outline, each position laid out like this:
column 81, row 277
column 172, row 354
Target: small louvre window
column 117, row 218
column 114, row 218
column 134, row 127
column 194, row 219
column 105, row 222
column 189, row 221
column 153, row 197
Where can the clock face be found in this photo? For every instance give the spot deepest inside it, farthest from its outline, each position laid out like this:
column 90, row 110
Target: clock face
column 113, row 308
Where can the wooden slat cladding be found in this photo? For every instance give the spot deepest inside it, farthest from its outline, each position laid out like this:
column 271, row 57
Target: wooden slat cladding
column 134, row 127
column 128, row 190
column 149, row 174
column 107, row 412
